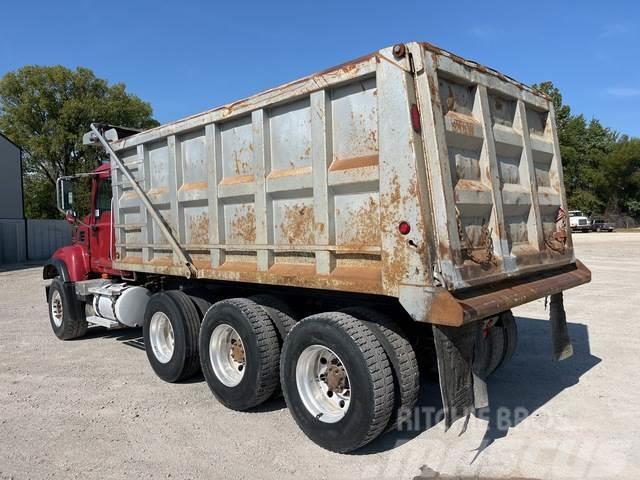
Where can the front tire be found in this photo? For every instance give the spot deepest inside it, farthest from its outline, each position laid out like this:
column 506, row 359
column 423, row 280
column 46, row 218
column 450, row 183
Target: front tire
column 171, row 325
column 66, row 313
column 337, row 381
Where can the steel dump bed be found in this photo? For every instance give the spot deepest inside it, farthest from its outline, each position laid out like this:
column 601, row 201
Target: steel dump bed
column 410, row 173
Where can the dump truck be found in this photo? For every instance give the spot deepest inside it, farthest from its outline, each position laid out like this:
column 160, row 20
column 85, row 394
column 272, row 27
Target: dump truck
column 329, row 239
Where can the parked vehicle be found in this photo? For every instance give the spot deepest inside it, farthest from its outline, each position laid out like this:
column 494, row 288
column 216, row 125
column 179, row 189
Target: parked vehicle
column 313, row 238
column 579, row 222
column 599, row 225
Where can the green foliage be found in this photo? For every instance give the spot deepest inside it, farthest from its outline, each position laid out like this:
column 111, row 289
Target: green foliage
column 601, row 168
column 46, row 110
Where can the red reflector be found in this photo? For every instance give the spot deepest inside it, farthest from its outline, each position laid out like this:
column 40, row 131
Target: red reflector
column 404, row 228
column 415, row 118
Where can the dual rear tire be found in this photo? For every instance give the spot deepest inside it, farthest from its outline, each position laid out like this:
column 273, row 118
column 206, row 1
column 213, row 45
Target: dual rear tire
column 345, row 376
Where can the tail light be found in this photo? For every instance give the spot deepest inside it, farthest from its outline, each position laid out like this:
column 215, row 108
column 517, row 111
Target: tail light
column 415, row 118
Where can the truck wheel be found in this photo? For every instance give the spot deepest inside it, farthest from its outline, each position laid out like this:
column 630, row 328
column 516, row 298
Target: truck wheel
column 337, row 381
column 279, row 313
column 489, row 349
column 282, row 319
column 66, row 313
column 402, row 359
column 171, row 325
column 201, row 304
column 495, row 345
column 508, row 324
column 239, row 353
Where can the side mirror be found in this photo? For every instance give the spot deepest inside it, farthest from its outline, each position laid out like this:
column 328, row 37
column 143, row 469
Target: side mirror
column 66, row 194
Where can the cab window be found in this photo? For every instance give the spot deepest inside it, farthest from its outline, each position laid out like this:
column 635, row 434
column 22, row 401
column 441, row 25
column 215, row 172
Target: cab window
column 103, row 197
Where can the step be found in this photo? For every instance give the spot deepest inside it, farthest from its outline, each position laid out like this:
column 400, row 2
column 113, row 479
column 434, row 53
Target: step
column 103, row 322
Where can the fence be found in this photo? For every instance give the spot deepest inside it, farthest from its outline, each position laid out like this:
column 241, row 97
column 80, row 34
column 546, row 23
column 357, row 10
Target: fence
column 36, row 242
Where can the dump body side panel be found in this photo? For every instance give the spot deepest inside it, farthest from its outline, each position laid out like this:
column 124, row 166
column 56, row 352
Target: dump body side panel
column 305, row 185
column 285, row 187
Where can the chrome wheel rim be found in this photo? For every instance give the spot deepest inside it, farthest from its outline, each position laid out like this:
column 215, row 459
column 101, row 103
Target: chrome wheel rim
column 323, row 384
column 227, row 355
column 57, row 310
column 161, row 337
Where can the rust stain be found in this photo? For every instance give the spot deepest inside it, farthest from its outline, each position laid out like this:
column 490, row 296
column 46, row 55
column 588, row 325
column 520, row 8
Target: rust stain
column 238, row 179
column 155, row 192
column 465, row 128
column 241, row 168
column 373, row 137
column 395, row 261
column 199, row 228
column 354, row 162
column 364, row 226
column 297, row 224
column 289, row 172
column 201, row 263
column 238, row 267
column 131, row 259
column 194, row 186
column 162, row 261
column 462, row 122
column 470, row 185
column 243, row 226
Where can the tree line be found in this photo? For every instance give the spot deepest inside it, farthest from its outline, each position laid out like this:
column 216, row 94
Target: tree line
column 46, row 110
column 601, row 166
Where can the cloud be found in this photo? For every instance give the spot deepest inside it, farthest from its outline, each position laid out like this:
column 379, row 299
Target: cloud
column 622, row 92
column 611, row 30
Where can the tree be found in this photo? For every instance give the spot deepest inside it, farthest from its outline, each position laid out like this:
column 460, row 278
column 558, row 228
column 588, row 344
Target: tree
column 46, row 110
column 585, row 148
column 622, row 166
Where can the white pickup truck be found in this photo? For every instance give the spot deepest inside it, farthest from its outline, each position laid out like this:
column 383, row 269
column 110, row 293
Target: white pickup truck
column 579, row 221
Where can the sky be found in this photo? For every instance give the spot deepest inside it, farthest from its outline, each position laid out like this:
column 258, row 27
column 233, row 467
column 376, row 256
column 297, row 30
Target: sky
column 189, row 56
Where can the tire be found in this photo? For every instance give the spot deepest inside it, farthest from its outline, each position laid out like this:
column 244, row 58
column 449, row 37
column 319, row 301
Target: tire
column 489, row 350
column 508, row 323
column 279, row 313
column 245, row 382
column 201, row 304
column 282, row 319
column 182, row 361
column 495, row 345
column 66, row 313
column 402, row 359
column 369, row 385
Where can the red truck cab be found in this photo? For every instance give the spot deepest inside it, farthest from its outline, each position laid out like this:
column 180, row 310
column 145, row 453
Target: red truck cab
column 92, row 248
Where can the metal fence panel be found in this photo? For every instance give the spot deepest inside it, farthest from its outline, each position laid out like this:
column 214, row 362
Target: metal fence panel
column 12, row 241
column 45, row 236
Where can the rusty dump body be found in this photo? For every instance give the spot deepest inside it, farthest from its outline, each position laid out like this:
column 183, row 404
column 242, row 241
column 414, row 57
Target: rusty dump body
column 305, row 185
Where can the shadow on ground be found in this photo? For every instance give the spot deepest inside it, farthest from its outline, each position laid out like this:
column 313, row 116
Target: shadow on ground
column 516, row 391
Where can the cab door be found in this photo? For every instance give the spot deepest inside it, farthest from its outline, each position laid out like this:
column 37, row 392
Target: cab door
column 101, row 232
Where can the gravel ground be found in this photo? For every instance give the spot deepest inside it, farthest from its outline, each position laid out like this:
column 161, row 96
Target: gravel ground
column 92, row 408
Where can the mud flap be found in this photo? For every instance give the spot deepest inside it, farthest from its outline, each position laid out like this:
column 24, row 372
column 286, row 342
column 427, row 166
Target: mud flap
column 562, row 348
column 462, row 391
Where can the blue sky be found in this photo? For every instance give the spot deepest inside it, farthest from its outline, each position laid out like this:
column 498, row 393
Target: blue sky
column 186, row 57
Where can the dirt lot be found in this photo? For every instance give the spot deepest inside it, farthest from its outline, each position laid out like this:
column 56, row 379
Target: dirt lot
column 92, row 408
